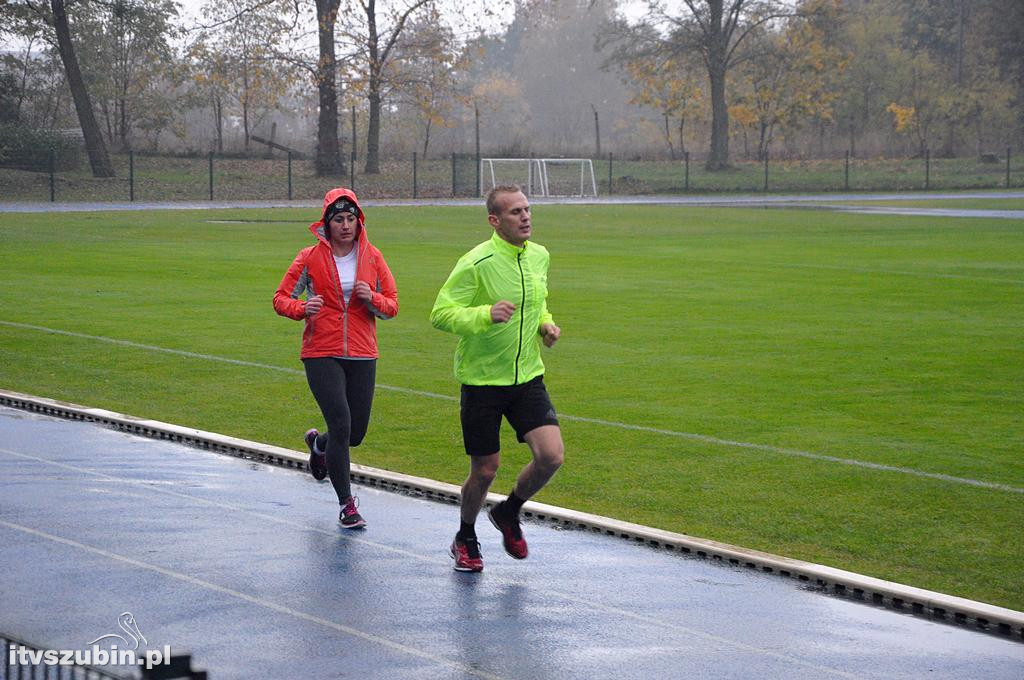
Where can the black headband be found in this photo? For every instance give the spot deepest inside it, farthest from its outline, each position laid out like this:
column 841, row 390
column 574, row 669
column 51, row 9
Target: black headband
column 339, row 206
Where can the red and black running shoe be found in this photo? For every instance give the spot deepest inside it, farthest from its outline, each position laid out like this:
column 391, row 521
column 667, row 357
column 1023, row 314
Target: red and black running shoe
column 511, row 533
column 349, row 516
column 317, row 461
column 466, row 553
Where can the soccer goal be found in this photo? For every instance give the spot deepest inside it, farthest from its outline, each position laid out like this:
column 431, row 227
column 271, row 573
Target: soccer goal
column 546, row 177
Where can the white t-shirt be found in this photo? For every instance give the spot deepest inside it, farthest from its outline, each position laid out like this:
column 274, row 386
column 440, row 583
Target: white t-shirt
column 347, row 271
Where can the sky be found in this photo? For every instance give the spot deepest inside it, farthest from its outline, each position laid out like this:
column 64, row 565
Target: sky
column 191, row 9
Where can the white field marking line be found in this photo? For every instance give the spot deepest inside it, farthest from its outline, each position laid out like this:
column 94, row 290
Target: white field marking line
column 887, row 272
column 217, row 504
column 707, row 439
column 295, row 613
column 649, row 620
column 615, row 611
column 806, row 454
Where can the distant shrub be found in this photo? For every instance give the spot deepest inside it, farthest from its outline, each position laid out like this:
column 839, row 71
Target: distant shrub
column 26, row 148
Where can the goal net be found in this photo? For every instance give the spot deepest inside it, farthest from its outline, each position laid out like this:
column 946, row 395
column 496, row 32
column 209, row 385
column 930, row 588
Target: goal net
column 540, row 176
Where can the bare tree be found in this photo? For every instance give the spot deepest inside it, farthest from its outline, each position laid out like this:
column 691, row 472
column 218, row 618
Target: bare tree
column 375, row 33
column 55, row 17
column 328, row 147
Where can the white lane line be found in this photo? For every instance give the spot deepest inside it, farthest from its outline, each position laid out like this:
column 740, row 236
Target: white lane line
column 884, row 272
column 707, row 439
column 616, row 612
column 807, row 454
column 295, row 613
column 625, row 613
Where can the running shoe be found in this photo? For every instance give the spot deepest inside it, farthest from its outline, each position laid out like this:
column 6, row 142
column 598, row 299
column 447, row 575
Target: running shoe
column 349, row 516
column 511, row 534
column 466, row 553
column 317, row 461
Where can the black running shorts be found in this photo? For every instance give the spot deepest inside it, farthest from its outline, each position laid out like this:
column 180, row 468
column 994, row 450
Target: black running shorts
column 526, row 407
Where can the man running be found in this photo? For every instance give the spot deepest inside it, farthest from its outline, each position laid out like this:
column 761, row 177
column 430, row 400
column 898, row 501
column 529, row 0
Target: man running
column 495, row 300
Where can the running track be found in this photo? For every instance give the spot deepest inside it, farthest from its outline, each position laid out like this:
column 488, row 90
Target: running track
column 244, row 566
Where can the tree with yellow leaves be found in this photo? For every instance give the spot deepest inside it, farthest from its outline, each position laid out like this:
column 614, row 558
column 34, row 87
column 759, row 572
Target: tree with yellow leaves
column 244, row 49
column 790, row 83
column 669, row 86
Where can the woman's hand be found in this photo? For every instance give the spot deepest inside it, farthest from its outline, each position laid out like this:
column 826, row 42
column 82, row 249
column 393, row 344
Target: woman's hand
column 314, row 305
column 361, row 290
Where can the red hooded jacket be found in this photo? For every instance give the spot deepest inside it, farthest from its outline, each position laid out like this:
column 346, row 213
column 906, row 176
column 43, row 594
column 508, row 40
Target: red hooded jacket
column 338, row 329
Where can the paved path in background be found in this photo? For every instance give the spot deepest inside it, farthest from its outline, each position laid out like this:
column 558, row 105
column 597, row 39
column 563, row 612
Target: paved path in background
column 817, row 201
column 244, row 566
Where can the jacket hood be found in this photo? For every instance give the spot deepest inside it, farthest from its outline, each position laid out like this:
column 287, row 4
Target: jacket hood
column 329, row 198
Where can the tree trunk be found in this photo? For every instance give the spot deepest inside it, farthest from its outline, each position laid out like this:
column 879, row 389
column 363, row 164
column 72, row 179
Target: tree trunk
column 24, row 78
column 426, row 136
column 373, row 130
column 668, row 140
column 245, row 104
column 123, row 109
column 328, row 149
column 108, row 120
column 717, row 50
column 718, row 158
column 373, row 94
column 99, row 159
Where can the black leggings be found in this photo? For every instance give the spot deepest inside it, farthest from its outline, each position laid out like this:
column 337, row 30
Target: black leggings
column 344, row 390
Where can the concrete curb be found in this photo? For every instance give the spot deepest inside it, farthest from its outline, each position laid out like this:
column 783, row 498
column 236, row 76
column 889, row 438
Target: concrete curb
column 917, row 601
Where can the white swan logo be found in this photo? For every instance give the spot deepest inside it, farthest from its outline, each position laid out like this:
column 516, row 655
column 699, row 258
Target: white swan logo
column 127, row 623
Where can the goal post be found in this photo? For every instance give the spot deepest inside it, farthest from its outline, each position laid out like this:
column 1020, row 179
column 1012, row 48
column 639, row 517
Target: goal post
column 544, row 177
column 526, row 172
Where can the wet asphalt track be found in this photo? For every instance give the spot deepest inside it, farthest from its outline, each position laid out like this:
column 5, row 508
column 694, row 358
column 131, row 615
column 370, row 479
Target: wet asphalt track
column 243, row 565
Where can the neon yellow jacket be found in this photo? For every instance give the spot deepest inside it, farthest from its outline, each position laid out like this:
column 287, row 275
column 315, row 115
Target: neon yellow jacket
column 496, row 353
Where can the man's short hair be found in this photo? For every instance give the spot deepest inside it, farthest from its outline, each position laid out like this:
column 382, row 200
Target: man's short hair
column 492, row 196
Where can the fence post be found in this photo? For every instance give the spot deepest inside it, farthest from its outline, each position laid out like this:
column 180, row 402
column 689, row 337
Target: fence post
column 476, row 110
column 927, row 168
column 131, row 175
column 415, row 188
column 1007, row 167
column 609, row 173
column 210, row 159
column 846, row 172
column 289, row 175
column 353, row 134
column 766, row 170
column 454, row 194
column 49, row 166
column 352, row 170
column 686, row 181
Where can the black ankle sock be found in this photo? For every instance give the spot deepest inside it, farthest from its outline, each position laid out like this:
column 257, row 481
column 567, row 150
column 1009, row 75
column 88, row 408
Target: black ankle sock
column 466, row 531
column 513, row 504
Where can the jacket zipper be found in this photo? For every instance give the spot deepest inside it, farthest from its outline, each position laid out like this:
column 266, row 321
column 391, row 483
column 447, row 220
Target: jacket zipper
column 341, row 301
column 522, row 313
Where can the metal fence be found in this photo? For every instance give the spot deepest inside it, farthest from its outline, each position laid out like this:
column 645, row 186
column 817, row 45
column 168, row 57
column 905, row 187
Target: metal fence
column 212, row 177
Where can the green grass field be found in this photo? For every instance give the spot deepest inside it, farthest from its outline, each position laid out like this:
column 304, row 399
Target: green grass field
column 756, row 347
